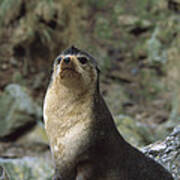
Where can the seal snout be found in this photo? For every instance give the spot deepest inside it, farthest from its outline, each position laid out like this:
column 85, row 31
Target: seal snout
column 67, row 60
column 67, row 64
column 68, row 69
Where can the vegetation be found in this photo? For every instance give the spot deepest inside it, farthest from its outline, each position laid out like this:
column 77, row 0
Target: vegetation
column 136, row 44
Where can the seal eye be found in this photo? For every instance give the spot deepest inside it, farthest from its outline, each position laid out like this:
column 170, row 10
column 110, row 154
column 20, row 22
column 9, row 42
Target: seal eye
column 83, row 60
column 59, row 59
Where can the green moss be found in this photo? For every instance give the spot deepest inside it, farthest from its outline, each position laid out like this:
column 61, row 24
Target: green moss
column 156, row 53
column 6, row 10
column 98, row 4
column 103, row 28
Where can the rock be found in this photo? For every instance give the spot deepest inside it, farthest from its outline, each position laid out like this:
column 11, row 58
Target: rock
column 35, row 135
column 167, row 152
column 130, row 20
column 11, row 150
column 3, row 174
column 26, row 168
column 156, row 52
column 17, row 110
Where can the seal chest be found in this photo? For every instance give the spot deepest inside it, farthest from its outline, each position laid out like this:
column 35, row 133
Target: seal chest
column 67, row 124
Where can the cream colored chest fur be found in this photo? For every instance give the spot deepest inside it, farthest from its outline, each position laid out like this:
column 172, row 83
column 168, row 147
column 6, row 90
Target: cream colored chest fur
column 67, row 122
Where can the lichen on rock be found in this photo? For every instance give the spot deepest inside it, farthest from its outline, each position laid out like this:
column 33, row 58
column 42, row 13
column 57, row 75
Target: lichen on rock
column 167, row 152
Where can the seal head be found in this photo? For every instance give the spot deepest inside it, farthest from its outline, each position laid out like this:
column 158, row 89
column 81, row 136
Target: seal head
column 74, row 68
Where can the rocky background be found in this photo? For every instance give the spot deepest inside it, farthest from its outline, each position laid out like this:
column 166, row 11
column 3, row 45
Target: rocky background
column 137, row 46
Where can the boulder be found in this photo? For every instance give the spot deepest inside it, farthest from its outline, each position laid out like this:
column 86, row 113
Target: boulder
column 167, row 152
column 17, row 110
column 26, row 168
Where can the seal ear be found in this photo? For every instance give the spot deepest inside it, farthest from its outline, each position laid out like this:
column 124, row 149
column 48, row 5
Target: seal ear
column 98, row 74
column 98, row 70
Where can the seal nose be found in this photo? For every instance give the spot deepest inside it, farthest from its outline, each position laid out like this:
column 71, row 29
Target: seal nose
column 67, row 60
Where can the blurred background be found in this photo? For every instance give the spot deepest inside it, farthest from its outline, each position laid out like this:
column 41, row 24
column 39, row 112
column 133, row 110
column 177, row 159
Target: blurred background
column 137, row 46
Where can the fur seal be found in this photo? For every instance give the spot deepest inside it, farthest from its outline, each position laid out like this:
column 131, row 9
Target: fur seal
column 84, row 141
